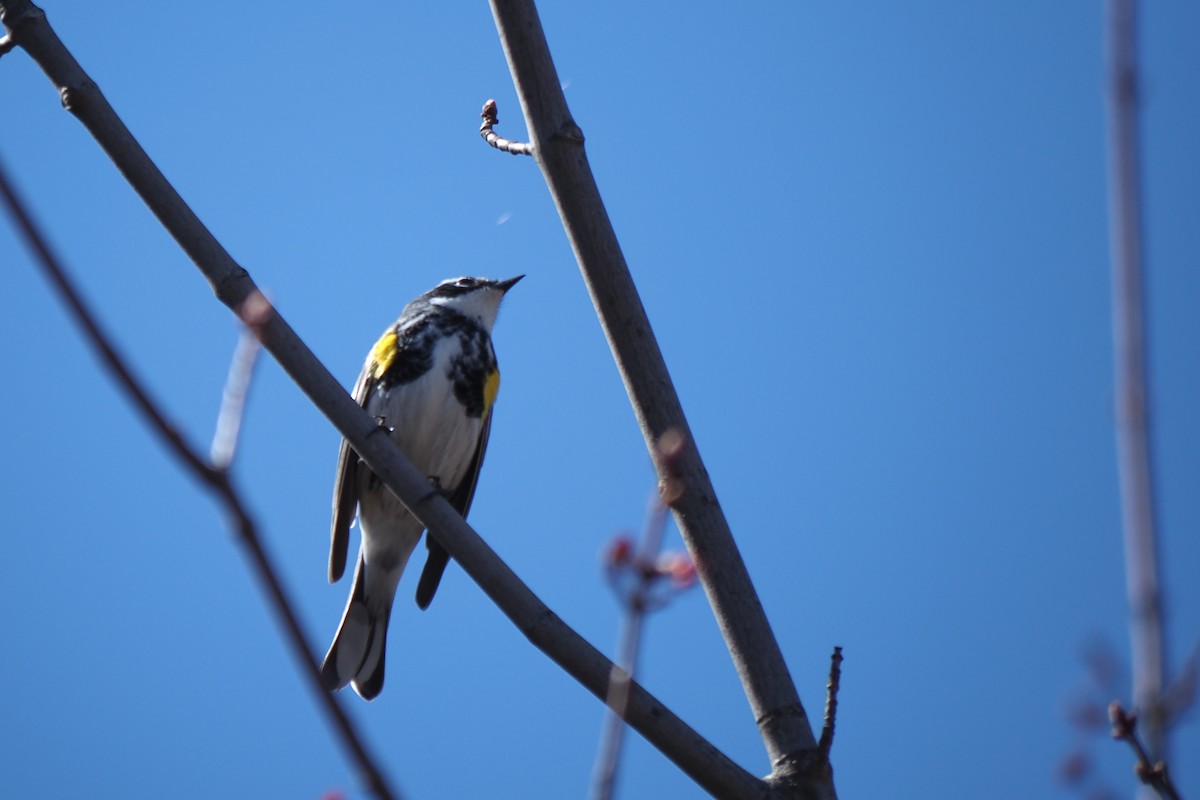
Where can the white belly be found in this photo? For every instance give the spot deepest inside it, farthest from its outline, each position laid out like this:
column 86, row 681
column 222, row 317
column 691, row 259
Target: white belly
column 429, row 424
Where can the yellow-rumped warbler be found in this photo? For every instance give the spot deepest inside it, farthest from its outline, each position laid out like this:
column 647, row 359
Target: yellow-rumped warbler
column 431, row 380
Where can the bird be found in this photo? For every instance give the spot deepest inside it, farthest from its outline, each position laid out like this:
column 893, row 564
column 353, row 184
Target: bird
column 431, row 381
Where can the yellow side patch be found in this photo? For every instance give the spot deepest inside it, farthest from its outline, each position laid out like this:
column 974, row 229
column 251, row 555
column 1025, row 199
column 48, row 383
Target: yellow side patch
column 491, row 388
column 383, row 354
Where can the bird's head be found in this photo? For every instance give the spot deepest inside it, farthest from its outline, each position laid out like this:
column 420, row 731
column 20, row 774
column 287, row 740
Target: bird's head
column 476, row 298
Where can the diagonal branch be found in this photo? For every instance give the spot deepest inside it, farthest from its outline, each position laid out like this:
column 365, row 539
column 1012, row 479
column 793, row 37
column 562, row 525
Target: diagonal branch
column 558, row 147
column 714, row 771
column 214, row 477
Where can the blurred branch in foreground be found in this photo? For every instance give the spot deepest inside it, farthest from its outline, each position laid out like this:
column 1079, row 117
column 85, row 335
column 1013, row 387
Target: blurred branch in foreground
column 1152, row 774
column 1090, row 713
column 1086, row 713
column 254, row 313
column 1132, row 389
column 644, row 581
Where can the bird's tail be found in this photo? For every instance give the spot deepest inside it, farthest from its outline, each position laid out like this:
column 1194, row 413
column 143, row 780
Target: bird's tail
column 357, row 653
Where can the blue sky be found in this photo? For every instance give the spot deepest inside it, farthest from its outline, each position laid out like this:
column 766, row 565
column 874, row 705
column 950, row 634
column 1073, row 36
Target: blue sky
column 872, row 240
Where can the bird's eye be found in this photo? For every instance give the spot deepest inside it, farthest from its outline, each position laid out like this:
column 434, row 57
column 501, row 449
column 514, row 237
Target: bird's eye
column 464, row 283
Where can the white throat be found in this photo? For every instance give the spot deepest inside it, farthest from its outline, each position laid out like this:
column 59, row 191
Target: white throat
column 481, row 305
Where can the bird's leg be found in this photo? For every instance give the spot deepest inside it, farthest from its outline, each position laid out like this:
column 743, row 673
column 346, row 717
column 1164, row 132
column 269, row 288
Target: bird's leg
column 381, row 425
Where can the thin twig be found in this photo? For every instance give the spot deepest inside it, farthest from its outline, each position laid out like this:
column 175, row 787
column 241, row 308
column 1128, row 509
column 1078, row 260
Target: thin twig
column 1134, row 462
column 697, row 757
column 612, row 732
column 1154, row 775
column 490, row 120
column 254, row 312
column 215, row 478
column 636, row 603
column 831, row 693
column 558, row 147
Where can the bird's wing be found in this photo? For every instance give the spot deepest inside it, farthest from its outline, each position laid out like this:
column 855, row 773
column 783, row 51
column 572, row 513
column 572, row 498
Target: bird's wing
column 345, row 482
column 461, row 499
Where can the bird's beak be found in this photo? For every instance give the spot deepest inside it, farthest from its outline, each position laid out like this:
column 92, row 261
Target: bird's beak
column 504, row 286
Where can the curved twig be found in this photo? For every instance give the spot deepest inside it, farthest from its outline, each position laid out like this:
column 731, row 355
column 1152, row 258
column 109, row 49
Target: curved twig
column 490, row 120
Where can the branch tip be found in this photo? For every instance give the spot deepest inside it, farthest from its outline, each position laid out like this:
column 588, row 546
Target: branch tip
column 490, row 114
column 831, row 693
column 491, row 118
column 1154, row 775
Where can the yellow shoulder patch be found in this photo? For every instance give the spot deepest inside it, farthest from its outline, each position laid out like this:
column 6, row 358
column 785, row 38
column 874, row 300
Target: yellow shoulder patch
column 491, row 388
column 383, row 354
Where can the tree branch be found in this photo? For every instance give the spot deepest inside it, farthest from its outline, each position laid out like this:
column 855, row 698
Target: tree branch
column 1132, row 392
column 254, row 313
column 637, row 579
column 1124, row 727
column 831, row 693
column 232, row 285
column 558, row 148
column 490, row 120
column 214, row 477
